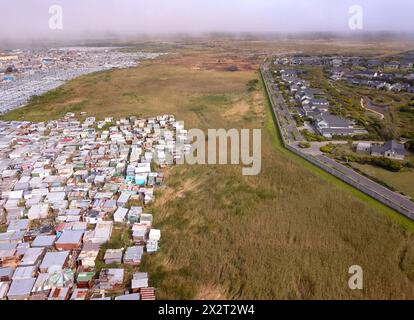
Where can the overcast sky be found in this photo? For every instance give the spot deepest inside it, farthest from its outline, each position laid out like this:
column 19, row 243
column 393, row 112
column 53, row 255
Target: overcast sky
column 29, row 19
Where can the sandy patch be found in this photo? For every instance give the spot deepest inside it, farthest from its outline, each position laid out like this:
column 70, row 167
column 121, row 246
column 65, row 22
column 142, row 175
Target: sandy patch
column 239, row 108
column 210, row 292
column 71, row 102
column 170, row 193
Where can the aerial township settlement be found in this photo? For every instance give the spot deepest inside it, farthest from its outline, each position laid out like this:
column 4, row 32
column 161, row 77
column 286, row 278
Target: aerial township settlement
column 24, row 74
column 72, row 195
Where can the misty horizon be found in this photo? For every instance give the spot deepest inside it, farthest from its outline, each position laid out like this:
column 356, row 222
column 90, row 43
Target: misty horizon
column 89, row 19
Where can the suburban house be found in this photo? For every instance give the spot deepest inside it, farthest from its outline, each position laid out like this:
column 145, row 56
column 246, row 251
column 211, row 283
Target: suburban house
column 329, row 125
column 391, row 149
column 391, row 65
column 407, row 64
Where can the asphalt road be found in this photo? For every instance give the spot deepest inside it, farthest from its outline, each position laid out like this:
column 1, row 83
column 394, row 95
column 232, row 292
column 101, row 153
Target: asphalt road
column 372, row 185
column 282, row 110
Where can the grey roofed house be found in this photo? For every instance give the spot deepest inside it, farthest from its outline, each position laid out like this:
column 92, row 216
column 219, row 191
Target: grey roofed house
column 102, row 232
column 392, row 64
column 52, row 259
column 140, row 280
column 131, row 296
column 24, row 272
column 44, row 241
column 113, row 256
column 391, row 149
column 110, row 278
column 4, row 288
column 139, row 234
column 289, row 72
column 109, row 205
column 12, row 237
column 355, row 81
column 374, row 63
column 332, row 121
column 32, row 257
column 133, row 255
column 55, row 196
column 329, row 125
column 72, row 212
column 305, row 94
column 123, row 199
column 18, row 225
column 120, row 214
column 367, row 74
column 6, row 274
column 20, row 289
column 146, row 218
column 69, row 237
column 407, row 64
column 22, row 248
column 318, row 102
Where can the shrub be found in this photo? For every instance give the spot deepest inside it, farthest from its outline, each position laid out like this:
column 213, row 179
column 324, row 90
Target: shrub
column 329, row 148
column 304, row 145
column 386, row 163
column 312, row 137
column 252, row 85
column 410, row 145
column 407, row 109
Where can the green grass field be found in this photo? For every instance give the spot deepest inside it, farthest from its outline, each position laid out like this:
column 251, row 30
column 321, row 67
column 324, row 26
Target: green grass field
column 292, row 232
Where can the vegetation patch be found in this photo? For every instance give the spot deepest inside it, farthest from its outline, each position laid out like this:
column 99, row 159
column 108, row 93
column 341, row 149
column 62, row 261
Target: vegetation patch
column 312, row 137
column 304, row 145
column 329, row 148
column 381, row 162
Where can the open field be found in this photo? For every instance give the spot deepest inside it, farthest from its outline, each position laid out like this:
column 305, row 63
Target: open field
column 291, row 232
column 149, row 90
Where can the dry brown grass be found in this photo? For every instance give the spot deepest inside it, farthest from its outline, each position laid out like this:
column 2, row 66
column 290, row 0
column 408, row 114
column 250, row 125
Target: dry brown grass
column 289, row 233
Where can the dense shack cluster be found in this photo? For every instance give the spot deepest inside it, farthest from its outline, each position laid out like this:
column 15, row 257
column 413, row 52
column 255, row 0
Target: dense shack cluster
column 28, row 73
column 75, row 205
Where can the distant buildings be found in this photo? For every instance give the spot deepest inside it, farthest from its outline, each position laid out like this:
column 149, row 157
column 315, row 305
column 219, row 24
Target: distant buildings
column 28, row 73
column 375, row 73
column 315, row 106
